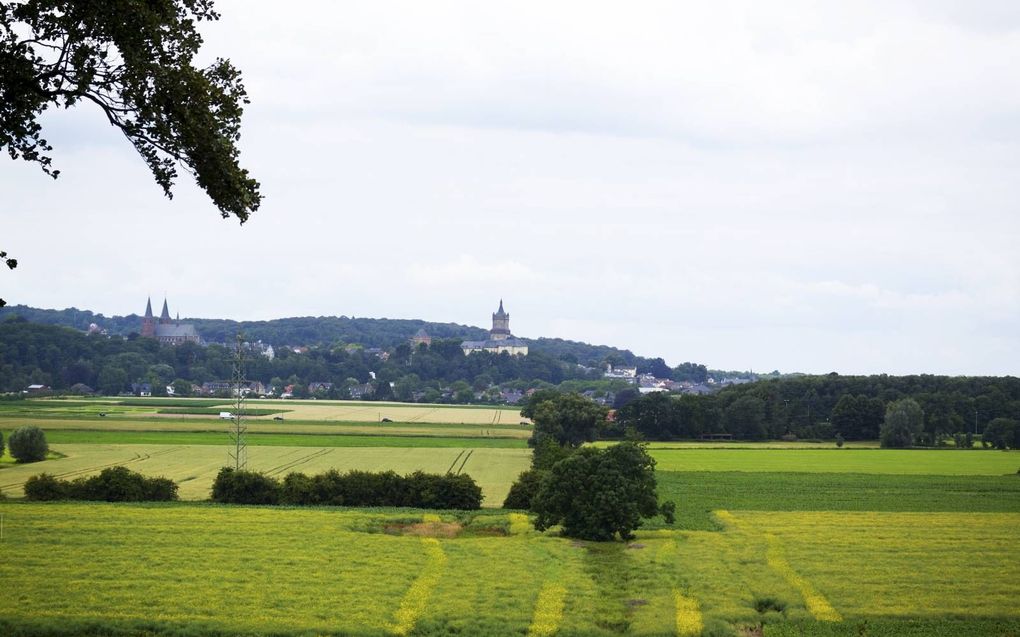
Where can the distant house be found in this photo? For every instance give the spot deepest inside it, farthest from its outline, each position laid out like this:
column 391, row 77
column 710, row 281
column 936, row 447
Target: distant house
column 214, row 387
column 81, row 388
column 35, row 389
column 141, row 389
column 511, row 396
column 319, row 387
column 421, row 337
column 362, row 390
column 621, row 372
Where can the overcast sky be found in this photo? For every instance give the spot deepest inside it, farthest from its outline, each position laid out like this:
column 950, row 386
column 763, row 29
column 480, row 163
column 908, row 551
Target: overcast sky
column 806, row 186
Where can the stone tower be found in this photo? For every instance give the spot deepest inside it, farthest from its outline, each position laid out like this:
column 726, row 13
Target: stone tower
column 148, row 321
column 500, row 324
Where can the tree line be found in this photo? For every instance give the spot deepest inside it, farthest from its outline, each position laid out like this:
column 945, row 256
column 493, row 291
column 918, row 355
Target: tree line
column 823, row 407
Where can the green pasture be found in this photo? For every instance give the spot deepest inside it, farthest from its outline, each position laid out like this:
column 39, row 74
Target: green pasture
column 698, row 494
column 210, row 570
column 877, row 461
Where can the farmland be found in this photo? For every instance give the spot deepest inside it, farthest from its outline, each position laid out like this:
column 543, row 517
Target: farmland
column 292, row 571
column 799, row 538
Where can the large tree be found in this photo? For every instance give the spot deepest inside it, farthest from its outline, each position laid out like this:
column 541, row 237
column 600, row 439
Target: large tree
column 133, row 59
column 904, row 421
column 599, row 493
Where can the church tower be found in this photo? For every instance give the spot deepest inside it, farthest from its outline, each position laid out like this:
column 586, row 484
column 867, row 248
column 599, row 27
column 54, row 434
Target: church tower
column 500, row 324
column 164, row 317
column 148, row 321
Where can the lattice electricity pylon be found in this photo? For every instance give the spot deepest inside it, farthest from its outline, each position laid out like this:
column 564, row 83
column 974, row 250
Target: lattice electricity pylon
column 238, row 428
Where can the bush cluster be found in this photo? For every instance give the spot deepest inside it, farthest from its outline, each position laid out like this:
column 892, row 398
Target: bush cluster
column 114, row 484
column 354, row 489
column 28, row 444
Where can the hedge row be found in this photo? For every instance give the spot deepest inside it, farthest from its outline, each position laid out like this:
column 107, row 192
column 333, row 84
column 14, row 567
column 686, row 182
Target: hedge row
column 354, row 489
column 115, row 484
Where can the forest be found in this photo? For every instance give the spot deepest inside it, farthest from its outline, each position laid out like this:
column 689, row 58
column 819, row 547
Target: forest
column 823, row 407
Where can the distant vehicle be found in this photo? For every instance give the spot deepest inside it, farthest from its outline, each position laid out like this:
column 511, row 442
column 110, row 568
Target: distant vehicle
column 277, row 417
column 386, row 420
column 102, row 414
column 226, row 415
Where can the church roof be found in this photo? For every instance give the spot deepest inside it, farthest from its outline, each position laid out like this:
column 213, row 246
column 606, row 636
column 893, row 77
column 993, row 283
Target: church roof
column 421, row 333
column 148, row 308
column 513, row 341
column 181, row 330
column 165, row 314
column 500, row 311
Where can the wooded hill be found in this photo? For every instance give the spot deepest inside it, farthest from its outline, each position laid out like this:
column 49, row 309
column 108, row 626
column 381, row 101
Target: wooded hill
column 324, row 330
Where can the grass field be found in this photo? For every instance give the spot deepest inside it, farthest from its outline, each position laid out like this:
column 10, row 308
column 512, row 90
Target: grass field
column 772, row 539
column 698, row 494
column 203, row 569
column 194, row 467
column 879, row 461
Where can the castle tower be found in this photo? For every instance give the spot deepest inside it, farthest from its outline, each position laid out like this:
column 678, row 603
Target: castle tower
column 500, row 324
column 164, row 317
column 148, row 321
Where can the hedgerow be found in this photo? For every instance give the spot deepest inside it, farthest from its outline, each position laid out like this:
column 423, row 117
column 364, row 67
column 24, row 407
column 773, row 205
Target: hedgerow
column 354, row 489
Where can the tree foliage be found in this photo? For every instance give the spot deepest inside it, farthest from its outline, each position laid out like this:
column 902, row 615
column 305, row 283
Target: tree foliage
column 597, row 494
column 134, row 60
column 569, row 419
column 523, row 490
column 28, row 444
column 1002, row 433
column 904, row 421
column 857, row 417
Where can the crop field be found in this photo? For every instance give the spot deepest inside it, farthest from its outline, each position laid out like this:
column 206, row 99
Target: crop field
column 300, row 410
column 772, row 539
column 194, row 467
column 204, row 569
column 878, row 461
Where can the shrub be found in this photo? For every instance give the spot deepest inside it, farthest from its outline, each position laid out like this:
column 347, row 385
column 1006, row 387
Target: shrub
column 839, row 441
column 245, row 487
column 28, row 444
column 114, row 484
column 354, row 488
column 45, row 487
column 523, row 491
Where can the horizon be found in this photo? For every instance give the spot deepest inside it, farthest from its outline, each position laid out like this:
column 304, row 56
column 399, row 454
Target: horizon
column 671, row 363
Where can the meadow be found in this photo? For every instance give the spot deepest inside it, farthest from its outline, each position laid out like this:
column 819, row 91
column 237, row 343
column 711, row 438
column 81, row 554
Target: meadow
column 210, row 570
column 772, row 539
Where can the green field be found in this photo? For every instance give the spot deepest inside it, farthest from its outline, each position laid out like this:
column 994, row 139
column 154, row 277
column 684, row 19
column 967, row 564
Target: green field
column 194, row 467
column 202, row 569
column 772, row 539
column 878, row 461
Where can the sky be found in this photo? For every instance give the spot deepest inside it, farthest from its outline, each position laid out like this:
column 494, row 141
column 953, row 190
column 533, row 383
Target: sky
column 802, row 186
